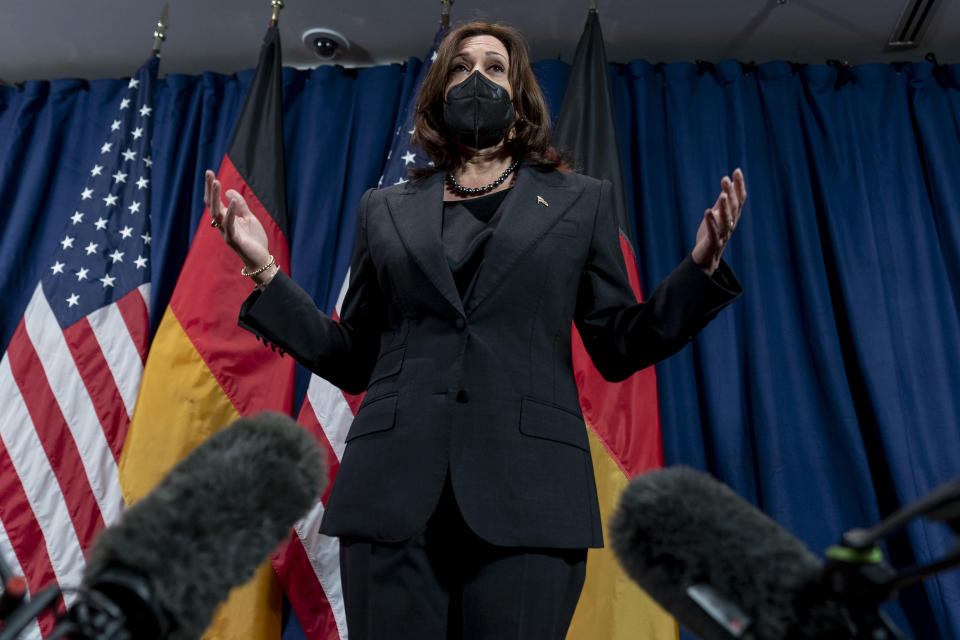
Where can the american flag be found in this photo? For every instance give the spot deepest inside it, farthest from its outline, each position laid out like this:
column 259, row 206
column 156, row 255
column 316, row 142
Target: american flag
column 402, row 154
column 70, row 374
column 309, row 567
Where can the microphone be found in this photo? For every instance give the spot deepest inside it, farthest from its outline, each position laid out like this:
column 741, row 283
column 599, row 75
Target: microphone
column 174, row 556
column 719, row 565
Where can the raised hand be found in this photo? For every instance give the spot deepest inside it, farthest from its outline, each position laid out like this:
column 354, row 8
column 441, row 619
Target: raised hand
column 719, row 221
column 241, row 230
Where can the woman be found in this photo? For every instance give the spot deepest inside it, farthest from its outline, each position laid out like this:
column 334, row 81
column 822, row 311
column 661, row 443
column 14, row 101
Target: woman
column 465, row 498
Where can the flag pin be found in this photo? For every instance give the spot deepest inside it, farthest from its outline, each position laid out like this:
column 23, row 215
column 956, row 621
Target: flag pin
column 540, row 200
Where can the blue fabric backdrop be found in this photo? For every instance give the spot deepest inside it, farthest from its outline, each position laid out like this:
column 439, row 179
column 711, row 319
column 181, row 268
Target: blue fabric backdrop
column 825, row 395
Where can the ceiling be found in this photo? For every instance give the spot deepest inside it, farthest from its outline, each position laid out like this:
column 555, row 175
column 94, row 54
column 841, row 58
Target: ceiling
column 46, row 39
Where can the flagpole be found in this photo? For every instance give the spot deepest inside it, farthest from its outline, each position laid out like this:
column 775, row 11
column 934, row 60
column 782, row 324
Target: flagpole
column 445, row 12
column 160, row 33
column 275, row 17
column 593, row 6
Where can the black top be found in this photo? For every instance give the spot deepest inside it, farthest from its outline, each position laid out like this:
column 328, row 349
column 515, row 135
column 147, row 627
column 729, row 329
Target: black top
column 467, row 227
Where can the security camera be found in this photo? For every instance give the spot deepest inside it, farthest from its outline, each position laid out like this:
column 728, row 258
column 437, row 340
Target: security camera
column 326, row 44
column 326, row 48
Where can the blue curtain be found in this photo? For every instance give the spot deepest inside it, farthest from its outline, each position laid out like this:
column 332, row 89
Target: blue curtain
column 825, row 395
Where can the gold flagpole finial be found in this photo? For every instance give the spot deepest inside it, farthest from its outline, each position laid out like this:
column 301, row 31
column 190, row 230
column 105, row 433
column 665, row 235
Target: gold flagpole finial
column 160, row 33
column 445, row 12
column 275, row 17
column 593, row 6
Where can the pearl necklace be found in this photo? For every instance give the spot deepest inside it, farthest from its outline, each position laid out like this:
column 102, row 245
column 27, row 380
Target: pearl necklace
column 469, row 191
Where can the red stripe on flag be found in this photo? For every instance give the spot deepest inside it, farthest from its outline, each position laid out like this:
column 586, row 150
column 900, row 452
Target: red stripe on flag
column 206, row 301
column 55, row 437
column 133, row 310
column 24, row 533
column 308, row 419
column 304, row 591
column 99, row 382
column 625, row 416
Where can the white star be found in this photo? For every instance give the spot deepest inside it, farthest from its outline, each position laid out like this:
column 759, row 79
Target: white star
column 129, row 154
column 133, row 83
column 141, row 262
column 136, row 133
column 82, row 274
column 389, row 154
column 400, row 181
column 125, row 232
column 110, row 199
column 146, row 238
column 57, row 267
column 408, row 158
column 106, row 147
column 380, row 182
column 142, row 183
column 145, row 110
column 147, row 161
column 87, row 194
column 97, row 170
column 119, row 176
column 117, row 256
column 100, row 224
column 67, row 242
column 411, row 131
column 134, row 207
column 91, row 248
column 114, row 125
column 76, row 217
column 433, row 56
column 107, row 281
column 72, row 301
column 124, row 103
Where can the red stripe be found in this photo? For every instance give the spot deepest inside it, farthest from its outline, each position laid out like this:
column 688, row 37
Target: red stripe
column 625, row 416
column 55, row 437
column 308, row 419
column 24, row 533
column 206, row 301
column 99, row 382
column 133, row 310
column 304, row 592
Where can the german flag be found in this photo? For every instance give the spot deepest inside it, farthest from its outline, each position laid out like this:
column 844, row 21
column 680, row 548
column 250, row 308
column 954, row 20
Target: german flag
column 623, row 419
column 203, row 371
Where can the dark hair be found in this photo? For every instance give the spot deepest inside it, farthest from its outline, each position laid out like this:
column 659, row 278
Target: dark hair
column 530, row 139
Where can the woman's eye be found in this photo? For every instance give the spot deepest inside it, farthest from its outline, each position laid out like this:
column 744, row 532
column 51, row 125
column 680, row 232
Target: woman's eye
column 496, row 67
column 459, row 68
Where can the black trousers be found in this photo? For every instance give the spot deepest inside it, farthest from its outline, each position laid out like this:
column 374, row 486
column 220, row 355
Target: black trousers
column 448, row 583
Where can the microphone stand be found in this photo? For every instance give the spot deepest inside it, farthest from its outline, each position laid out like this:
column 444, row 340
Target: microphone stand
column 856, row 574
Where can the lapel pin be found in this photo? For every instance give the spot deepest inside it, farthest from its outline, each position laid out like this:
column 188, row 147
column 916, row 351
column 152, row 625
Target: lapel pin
column 540, row 200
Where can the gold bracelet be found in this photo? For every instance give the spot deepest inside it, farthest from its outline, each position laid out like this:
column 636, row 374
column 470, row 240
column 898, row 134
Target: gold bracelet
column 250, row 274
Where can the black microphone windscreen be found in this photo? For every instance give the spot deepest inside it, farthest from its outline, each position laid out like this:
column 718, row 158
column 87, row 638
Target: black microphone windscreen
column 214, row 518
column 678, row 528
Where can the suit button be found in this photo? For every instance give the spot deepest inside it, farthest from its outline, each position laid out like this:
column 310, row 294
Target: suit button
column 460, row 324
column 463, row 396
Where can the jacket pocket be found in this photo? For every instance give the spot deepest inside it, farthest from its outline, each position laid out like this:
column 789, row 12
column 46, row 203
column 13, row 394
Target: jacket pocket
column 550, row 422
column 389, row 364
column 377, row 415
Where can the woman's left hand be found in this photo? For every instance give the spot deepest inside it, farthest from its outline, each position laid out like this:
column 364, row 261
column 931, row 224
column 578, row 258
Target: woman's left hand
column 718, row 223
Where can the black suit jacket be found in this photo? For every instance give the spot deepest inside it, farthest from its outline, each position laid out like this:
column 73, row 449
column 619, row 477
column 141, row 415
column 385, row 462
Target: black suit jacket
column 482, row 387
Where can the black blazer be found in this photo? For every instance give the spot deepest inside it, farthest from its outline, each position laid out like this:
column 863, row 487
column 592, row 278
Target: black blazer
column 481, row 388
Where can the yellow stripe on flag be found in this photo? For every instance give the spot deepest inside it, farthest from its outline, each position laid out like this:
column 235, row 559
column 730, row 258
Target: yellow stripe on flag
column 611, row 605
column 179, row 406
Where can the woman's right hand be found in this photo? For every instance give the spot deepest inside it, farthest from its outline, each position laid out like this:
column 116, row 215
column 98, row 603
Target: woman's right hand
column 241, row 230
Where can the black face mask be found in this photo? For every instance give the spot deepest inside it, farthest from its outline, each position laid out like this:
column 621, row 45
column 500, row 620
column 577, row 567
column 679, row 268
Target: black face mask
column 478, row 112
